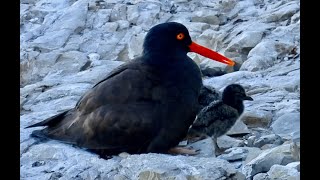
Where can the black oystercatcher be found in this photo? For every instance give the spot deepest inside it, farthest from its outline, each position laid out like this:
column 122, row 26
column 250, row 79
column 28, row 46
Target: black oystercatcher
column 145, row 105
column 219, row 116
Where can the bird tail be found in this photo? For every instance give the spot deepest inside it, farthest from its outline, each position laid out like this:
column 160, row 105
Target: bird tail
column 38, row 134
column 50, row 121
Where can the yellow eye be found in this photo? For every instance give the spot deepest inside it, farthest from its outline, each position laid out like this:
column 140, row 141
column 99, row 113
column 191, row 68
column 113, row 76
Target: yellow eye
column 180, row 36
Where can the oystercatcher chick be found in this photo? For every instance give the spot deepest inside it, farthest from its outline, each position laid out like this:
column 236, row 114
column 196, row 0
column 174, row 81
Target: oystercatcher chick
column 219, row 116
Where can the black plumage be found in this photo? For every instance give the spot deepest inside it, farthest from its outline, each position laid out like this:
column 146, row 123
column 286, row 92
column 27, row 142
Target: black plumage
column 207, row 95
column 145, row 105
column 219, row 116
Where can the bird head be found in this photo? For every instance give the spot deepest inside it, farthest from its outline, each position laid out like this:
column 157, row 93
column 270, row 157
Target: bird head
column 234, row 95
column 173, row 39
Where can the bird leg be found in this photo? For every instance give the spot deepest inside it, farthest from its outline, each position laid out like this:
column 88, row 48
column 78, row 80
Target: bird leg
column 217, row 150
column 183, row 151
column 194, row 137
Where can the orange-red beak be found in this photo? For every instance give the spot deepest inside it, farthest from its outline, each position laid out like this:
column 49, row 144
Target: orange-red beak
column 194, row 47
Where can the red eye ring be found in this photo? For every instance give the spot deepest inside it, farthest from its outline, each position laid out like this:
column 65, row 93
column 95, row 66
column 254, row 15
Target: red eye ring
column 180, row 36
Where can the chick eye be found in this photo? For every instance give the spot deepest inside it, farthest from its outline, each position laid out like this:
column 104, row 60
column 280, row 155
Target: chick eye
column 180, row 36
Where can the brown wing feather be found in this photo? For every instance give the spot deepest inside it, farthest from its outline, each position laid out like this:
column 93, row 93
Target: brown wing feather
column 100, row 115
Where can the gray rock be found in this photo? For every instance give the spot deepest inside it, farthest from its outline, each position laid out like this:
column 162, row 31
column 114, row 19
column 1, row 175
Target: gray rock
column 197, row 26
column 204, row 147
column 149, row 12
column 265, row 54
column 242, row 43
column 268, row 146
column 234, row 154
column 256, row 118
column 283, row 12
column 256, row 61
column 210, row 17
column 118, row 12
column 52, row 40
column 102, row 17
column 283, row 172
column 60, row 91
column 92, row 75
column 263, row 162
column 94, row 56
column 144, row 165
column 222, row 81
column 70, row 62
column 37, row 65
column 225, row 142
column 62, row 27
column 286, row 124
column 239, row 128
column 22, row 101
column 261, row 176
column 296, row 136
column 123, row 24
column 253, row 152
column 250, row 141
column 110, row 27
column 295, row 165
column 135, row 45
column 295, row 150
column 268, row 139
column 213, row 68
column 132, row 14
column 211, row 38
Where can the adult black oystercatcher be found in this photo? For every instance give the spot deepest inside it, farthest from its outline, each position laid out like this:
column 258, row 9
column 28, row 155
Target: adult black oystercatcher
column 145, row 105
column 219, row 116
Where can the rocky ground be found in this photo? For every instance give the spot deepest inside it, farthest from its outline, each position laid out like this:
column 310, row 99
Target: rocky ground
column 69, row 45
